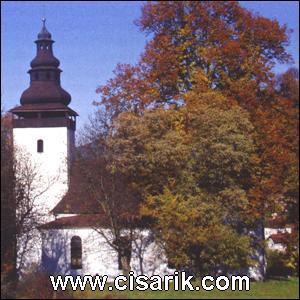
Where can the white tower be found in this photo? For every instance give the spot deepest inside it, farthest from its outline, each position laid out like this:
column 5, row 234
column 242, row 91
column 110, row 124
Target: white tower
column 44, row 127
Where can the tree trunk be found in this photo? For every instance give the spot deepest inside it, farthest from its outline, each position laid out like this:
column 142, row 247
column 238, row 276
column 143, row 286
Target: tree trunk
column 125, row 261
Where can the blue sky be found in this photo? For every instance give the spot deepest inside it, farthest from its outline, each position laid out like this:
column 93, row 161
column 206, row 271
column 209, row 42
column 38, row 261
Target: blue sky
column 91, row 38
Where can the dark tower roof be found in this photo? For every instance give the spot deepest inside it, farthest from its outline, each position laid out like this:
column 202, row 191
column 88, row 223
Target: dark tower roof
column 45, row 75
column 44, row 34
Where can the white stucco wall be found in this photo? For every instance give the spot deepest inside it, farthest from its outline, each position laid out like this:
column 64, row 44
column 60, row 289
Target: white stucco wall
column 51, row 165
column 258, row 270
column 97, row 256
column 271, row 244
column 51, row 178
column 270, row 231
column 275, row 246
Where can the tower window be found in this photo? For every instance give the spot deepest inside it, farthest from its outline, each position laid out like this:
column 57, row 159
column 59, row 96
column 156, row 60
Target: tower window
column 40, row 146
column 76, row 253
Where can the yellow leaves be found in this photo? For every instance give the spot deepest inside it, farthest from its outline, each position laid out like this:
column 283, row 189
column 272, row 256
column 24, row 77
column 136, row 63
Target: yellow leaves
column 184, row 31
column 179, row 125
column 186, row 223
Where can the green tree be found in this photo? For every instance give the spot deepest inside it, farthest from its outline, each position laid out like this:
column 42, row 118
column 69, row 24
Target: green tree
column 200, row 54
column 194, row 234
column 232, row 50
column 193, row 166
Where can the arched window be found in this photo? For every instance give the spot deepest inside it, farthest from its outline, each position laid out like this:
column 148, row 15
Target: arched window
column 40, row 146
column 76, row 253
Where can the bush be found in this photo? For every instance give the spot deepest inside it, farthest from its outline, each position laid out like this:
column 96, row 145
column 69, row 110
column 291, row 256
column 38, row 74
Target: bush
column 278, row 264
column 37, row 285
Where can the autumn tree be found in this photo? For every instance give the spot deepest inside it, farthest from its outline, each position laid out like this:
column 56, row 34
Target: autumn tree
column 210, row 47
column 222, row 39
column 193, row 166
column 194, row 235
column 110, row 194
column 277, row 184
column 229, row 49
column 286, row 104
column 8, row 214
column 232, row 47
column 20, row 215
column 277, row 138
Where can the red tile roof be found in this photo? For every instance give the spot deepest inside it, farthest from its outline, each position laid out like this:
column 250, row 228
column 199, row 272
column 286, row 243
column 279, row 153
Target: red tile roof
column 76, row 221
column 74, row 202
column 87, row 221
column 279, row 238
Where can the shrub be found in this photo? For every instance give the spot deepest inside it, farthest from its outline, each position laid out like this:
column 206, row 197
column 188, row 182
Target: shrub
column 37, row 285
column 278, row 264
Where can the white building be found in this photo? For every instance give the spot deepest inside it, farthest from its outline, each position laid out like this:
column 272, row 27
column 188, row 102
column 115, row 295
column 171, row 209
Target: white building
column 45, row 128
column 276, row 233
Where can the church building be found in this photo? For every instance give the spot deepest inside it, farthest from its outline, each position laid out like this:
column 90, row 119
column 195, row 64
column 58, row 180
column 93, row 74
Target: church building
column 44, row 127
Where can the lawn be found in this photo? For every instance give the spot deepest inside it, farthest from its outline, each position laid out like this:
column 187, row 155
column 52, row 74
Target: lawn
column 270, row 289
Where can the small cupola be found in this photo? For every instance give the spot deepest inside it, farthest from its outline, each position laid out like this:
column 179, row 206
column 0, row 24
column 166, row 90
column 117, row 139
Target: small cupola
column 44, row 56
column 44, row 34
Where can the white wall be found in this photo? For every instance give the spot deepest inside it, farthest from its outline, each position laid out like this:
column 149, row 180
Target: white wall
column 51, row 165
column 51, row 179
column 97, row 256
column 270, row 231
column 271, row 244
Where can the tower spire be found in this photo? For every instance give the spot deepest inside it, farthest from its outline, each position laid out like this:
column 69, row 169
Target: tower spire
column 45, row 74
column 44, row 34
column 45, row 103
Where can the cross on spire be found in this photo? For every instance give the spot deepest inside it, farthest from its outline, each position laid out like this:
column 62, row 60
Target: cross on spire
column 44, row 34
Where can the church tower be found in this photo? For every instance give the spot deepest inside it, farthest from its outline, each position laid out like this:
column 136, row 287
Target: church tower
column 44, row 126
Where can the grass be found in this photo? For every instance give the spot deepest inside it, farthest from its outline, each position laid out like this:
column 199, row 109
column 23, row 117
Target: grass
column 270, row 289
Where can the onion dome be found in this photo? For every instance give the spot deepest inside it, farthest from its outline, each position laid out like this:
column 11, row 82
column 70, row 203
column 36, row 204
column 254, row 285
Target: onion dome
column 44, row 34
column 45, row 74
